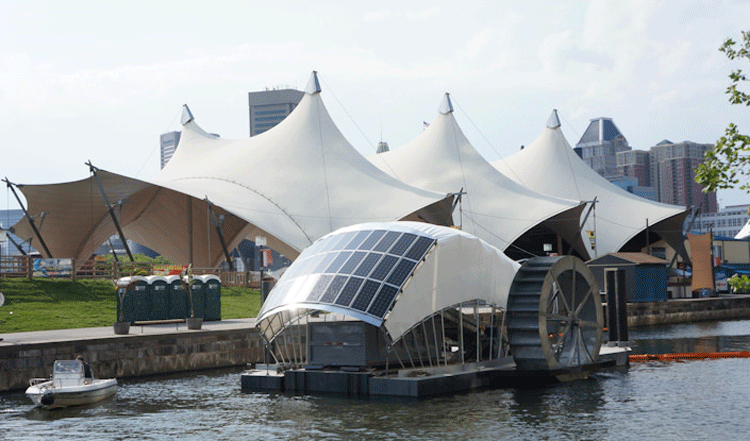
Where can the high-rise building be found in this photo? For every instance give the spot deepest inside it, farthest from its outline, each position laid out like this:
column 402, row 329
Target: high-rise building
column 600, row 144
column 726, row 222
column 168, row 143
column 673, row 174
column 635, row 164
column 270, row 107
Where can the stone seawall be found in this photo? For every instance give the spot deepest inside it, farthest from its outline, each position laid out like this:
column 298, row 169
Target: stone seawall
column 132, row 355
column 688, row 310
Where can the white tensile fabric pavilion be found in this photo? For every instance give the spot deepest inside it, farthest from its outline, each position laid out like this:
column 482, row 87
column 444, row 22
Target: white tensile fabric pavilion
column 744, row 233
column 292, row 184
column 619, row 221
column 494, row 207
column 393, row 274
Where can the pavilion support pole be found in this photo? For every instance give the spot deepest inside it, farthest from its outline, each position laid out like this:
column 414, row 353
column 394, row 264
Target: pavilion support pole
column 435, row 339
column 190, row 228
column 111, row 209
column 28, row 217
column 492, row 329
column 17, row 245
column 390, row 344
column 217, row 225
column 427, row 344
column 461, row 327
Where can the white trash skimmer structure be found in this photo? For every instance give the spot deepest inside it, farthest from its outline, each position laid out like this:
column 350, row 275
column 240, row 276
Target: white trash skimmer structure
column 411, row 296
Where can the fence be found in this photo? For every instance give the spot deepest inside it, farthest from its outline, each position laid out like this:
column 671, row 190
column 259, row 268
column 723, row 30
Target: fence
column 74, row 269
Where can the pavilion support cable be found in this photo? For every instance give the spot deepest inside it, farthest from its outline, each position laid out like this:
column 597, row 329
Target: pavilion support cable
column 111, row 210
column 217, row 225
column 28, row 216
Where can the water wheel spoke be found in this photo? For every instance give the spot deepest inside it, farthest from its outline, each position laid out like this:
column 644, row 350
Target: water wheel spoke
column 585, row 300
column 557, row 295
column 589, row 358
column 554, row 316
column 588, row 324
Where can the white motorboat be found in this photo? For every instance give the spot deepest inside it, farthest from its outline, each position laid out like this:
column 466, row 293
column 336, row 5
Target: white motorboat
column 69, row 386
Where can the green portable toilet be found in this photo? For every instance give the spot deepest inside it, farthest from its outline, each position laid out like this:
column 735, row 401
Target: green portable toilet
column 141, row 298
column 124, row 300
column 177, row 298
column 199, row 297
column 212, row 290
column 160, row 301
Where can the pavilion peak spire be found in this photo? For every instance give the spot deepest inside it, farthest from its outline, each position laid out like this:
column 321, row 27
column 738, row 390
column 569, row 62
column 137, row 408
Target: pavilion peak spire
column 553, row 122
column 313, row 85
column 187, row 115
column 446, row 106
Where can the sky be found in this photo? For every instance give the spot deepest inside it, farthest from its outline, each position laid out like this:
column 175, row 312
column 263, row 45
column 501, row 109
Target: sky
column 100, row 81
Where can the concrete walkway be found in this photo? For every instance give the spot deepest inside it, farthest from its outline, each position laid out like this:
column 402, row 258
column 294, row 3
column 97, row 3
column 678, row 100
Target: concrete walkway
column 80, row 334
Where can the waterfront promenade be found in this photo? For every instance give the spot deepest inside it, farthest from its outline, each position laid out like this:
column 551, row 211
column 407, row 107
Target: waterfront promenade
column 170, row 348
column 146, row 350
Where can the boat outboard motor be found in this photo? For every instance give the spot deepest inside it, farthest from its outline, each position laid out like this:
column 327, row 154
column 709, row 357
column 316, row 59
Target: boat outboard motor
column 48, row 399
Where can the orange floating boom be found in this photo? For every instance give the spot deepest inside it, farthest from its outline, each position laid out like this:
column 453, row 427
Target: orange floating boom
column 688, row 356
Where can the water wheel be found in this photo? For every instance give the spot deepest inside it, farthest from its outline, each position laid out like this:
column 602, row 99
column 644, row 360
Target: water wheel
column 555, row 317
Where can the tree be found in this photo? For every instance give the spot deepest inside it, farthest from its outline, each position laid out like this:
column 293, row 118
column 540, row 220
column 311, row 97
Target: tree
column 729, row 160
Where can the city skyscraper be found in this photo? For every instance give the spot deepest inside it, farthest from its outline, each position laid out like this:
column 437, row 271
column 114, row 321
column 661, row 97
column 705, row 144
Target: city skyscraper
column 600, row 144
column 673, row 174
column 168, row 143
column 270, row 107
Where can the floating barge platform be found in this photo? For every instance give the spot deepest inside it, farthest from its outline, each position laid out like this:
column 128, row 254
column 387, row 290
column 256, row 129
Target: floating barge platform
column 417, row 383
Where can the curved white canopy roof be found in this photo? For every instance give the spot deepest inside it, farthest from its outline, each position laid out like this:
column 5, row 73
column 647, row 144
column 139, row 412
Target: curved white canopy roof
column 293, row 184
column 494, row 208
column 744, row 232
column 394, row 274
column 550, row 166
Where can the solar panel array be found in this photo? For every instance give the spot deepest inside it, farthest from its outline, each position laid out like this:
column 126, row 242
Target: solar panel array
column 359, row 270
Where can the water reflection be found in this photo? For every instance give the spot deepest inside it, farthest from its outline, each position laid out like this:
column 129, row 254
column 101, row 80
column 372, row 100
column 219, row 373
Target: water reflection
column 676, row 400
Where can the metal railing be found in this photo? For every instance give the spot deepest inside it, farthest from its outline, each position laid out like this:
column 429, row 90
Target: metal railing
column 74, row 269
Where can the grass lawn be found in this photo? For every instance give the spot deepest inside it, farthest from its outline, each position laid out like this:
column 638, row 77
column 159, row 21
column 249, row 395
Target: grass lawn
column 39, row 305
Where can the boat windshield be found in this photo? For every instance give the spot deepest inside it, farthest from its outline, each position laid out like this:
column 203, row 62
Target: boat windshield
column 68, row 366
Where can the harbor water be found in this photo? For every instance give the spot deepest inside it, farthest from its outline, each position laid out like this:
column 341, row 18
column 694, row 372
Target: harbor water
column 697, row 400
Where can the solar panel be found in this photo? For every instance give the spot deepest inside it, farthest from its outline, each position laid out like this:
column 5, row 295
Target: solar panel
column 319, row 288
column 420, row 247
column 352, row 263
column 372, row 239
column 383, row 301
column 329, row 243
column 345, row 238
column 323, row 261
column 365, row 295
column 347, row 294
column 384, row 267
column 402, row 271
column 333, row 289
column 354, row 243
column 338, row 261
column 387, row 241
column 366, row 266
column 403, row 244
